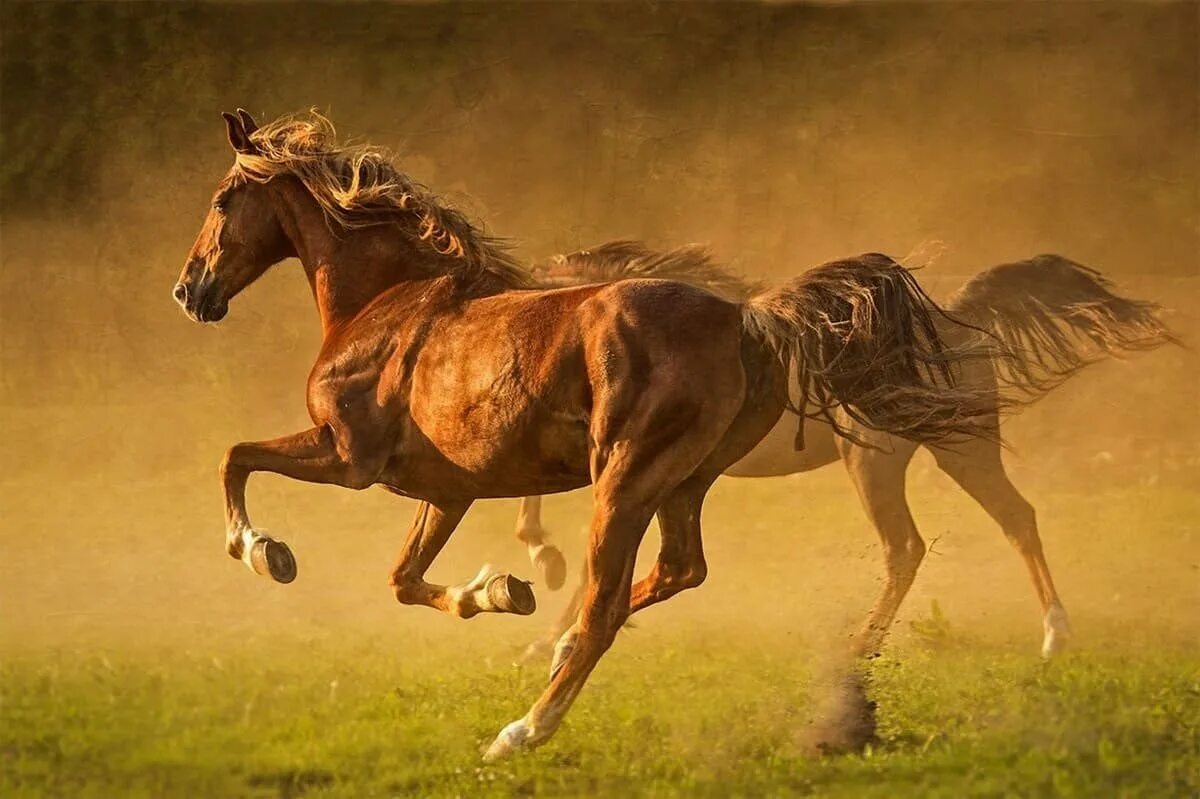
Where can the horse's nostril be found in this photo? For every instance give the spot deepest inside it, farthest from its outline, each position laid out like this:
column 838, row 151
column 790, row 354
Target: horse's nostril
column 180, row 292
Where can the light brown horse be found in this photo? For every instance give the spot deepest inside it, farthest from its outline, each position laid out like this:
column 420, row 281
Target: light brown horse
column 442, row 377
column 1056, row 317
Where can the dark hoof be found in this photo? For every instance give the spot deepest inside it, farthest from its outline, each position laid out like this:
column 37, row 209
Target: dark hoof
column 553, row 566
column 512, row 595
column 272, row 557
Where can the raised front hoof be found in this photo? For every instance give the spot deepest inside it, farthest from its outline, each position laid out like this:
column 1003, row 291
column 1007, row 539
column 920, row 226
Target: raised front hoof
column 508, row 594
column 553, row 566
column 273, row 558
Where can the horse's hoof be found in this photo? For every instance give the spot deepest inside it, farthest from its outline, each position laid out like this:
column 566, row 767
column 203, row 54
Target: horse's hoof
column 553, row 565
column 510, row 595
column 510, row 740
column 1057, row 632
column 274, row 558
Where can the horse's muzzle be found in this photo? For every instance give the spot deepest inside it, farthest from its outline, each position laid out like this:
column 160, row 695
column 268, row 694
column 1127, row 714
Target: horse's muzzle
column 200, row 301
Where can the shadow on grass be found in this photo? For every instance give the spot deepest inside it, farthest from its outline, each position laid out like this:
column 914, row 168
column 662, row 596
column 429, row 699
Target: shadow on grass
column 292, row 783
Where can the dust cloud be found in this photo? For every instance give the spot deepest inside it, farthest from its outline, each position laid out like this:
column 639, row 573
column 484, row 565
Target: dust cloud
column 782, row 135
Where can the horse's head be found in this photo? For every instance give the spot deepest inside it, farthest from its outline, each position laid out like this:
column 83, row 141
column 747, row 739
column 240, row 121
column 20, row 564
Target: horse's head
column 241, row 237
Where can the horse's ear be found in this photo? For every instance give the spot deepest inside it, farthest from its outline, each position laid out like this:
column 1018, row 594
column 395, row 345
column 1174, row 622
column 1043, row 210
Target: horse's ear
column 248, row 123
column 239, row 139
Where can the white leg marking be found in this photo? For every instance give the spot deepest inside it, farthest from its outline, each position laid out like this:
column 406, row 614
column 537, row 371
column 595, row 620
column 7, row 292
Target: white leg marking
column 1058, row 631
column 534, row 551
column 511, row 739
column 563, row 649
column 248, row 536
column 478, row 596
column 466, row 597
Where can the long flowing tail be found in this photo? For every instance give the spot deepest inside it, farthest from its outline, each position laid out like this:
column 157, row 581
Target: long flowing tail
column 1052, row 317
column 861, row 334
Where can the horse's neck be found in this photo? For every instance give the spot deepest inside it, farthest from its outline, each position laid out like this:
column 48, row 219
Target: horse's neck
column 348, row 270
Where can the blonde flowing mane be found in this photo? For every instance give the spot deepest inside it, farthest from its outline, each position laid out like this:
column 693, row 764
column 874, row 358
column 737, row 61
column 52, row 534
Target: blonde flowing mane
column 624, row 260
column 358, row 186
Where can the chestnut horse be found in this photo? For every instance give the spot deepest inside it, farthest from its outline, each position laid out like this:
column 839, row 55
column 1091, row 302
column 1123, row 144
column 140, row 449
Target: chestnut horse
column 442, row 376
column 1056, row 316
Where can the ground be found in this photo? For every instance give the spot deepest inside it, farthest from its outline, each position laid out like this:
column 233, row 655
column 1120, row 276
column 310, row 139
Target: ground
column 676, row 717
column 218, row 683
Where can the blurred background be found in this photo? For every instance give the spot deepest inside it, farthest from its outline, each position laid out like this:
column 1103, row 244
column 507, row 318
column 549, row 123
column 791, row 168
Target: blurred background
column 782, row 135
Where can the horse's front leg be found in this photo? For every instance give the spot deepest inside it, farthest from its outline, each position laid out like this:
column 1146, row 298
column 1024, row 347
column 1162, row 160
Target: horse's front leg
column 312, row 456
column 490, row 590
column 547, row 558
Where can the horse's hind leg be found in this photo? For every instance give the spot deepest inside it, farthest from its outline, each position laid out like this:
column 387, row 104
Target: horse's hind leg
column 617, row 528
column 547, row 558
column 978, row 468
column 640, row 456
column 680, row 564
column 878, row 475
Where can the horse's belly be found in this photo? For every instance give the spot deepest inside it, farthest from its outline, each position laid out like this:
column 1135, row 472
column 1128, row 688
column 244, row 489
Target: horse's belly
column 492, row 457
column 777, row 455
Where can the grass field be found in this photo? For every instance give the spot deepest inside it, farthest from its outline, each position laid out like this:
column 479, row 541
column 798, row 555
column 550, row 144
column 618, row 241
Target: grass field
column 678, row 717
column 163, row 670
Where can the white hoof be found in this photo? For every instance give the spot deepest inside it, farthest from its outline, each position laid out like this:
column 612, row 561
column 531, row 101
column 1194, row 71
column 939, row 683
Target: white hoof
column 511, row 739
column 495, row 592
column 1058, row 632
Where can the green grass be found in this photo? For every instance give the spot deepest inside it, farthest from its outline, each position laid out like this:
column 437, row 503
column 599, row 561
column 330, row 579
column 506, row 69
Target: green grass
column 124, row 674
column 672, row 716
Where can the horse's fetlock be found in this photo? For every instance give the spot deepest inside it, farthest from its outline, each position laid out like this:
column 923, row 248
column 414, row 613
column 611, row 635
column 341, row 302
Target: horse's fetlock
column 694, row 575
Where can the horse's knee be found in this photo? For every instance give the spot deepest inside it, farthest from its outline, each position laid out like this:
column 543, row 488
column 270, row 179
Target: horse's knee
column 406, row 591
column 906, row 556
column 694, row 575
column 232, row 462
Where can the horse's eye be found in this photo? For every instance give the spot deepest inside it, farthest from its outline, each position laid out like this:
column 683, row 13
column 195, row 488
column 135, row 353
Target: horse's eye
column 219, row 206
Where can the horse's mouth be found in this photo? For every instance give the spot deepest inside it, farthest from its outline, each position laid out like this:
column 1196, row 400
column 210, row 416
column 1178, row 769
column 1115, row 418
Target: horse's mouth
column 206, row 312
column 206, row 308
column 212, row 312
column 200, row 299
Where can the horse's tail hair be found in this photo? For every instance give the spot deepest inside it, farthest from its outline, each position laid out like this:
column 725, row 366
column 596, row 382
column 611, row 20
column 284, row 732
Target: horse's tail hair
column 1053, row 317
column 861, row 334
